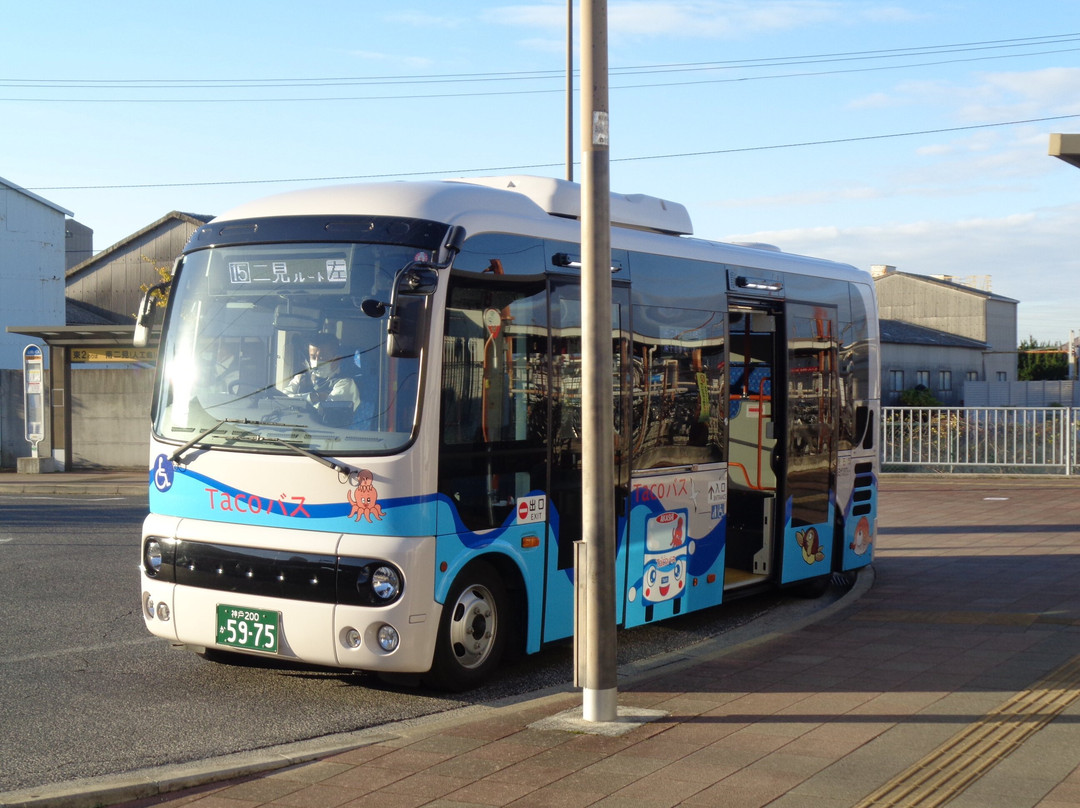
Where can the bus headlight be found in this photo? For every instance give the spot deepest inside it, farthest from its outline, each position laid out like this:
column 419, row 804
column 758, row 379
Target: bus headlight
column 152, row 557
column 388, row 638
column 386, row 583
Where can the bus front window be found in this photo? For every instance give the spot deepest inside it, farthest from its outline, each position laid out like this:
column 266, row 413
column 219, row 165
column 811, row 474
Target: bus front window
column 270, row 343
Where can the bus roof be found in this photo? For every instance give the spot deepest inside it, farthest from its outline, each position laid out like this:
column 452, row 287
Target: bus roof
column 540, row 206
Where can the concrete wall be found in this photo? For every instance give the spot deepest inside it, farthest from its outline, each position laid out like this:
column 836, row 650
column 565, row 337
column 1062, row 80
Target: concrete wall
column 1022, row 394
column 13, row 444
column 110, row 417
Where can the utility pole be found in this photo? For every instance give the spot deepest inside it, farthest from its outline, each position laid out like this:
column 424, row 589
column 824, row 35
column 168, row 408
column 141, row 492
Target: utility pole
column 599, row 677
column 570, row 90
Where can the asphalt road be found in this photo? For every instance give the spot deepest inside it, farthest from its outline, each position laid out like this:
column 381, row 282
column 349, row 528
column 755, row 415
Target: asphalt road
column 86, row 691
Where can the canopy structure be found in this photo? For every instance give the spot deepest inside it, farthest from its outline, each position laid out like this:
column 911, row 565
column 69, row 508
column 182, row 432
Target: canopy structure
column 1067, row 148
column 81, row 343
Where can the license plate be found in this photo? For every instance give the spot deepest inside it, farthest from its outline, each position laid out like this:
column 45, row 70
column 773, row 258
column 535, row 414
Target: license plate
column 252, row 629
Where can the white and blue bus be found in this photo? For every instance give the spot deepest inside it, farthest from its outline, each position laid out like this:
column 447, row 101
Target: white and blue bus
column 366, row 447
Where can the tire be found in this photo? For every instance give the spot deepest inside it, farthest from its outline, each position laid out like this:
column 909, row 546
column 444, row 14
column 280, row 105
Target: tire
column 473, row 630
column 814, row 587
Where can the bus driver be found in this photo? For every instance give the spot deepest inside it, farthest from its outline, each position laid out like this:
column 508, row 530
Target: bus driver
column 322, row 384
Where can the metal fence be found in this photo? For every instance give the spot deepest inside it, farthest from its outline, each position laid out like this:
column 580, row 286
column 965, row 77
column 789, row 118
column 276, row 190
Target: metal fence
column 981, row 439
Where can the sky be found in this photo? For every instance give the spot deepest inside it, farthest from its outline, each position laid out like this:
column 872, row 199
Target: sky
column 908, row 133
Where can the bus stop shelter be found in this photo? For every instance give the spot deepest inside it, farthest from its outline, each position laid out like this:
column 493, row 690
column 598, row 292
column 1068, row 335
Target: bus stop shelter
column 1066, row 147
column 65, row 345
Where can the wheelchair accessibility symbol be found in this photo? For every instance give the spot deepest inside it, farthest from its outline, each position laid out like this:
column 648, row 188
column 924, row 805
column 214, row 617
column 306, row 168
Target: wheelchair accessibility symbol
column 162, row 473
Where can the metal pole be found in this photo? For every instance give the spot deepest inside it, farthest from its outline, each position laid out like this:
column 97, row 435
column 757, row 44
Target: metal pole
column 570, row 90
column 600, row 696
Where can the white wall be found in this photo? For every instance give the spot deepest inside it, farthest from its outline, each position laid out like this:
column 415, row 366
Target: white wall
column 32, row 247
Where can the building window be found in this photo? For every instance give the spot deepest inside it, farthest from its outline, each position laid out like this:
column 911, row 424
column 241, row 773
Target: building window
column 922, row 378
column 896, row 381
column 1002, row 376
column 973, row 375
column 944, row 379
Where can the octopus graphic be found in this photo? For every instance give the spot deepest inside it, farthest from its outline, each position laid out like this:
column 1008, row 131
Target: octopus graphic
column 365, row 499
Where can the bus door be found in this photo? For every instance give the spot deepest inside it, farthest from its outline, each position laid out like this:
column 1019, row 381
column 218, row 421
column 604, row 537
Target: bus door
column 754, row 442
column 564, row 446
column 812, row 424
column 676, row 518
column 493, row 426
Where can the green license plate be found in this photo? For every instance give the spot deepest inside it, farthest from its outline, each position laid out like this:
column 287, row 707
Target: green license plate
column 253, row 629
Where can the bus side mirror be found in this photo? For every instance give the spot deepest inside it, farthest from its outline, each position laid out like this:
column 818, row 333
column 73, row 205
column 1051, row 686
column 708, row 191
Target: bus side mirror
column 144, row 318
column 407, row 328
column 409, row 307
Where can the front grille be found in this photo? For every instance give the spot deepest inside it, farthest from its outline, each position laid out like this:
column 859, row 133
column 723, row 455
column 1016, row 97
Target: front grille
column 312, row 577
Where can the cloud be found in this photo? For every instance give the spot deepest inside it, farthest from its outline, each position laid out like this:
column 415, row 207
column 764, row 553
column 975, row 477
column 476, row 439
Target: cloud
column 983, row 97
column 397, row 61
column 423, row 19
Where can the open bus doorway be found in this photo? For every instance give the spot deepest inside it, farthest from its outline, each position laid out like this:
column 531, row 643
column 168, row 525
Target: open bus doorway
column 753, row 446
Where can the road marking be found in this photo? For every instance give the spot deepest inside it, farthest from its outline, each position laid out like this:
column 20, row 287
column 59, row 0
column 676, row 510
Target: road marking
column 86, row 649
column 45, row 498
column 971, row 753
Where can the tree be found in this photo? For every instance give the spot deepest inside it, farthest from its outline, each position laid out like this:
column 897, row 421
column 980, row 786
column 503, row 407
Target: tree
column 160, row 294
column 1042, row 361
column 918, row 396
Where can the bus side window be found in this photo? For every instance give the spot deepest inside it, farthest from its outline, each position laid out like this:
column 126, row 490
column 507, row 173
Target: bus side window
column 679, row 387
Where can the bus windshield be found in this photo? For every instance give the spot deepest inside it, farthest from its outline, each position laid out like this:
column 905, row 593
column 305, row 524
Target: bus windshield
column 269, row 344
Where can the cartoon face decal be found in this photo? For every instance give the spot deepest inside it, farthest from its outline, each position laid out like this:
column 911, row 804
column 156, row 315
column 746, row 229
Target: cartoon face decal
column 661, row 583
column 365, row 499
column 666, row 550
column 863, row 539
column 811, row 545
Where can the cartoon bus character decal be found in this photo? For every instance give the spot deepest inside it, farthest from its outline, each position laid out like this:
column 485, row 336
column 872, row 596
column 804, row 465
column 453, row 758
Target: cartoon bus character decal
column 665, row 559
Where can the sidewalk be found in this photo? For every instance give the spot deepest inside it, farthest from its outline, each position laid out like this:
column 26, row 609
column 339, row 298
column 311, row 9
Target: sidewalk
column 954, row 678
column 124, row 482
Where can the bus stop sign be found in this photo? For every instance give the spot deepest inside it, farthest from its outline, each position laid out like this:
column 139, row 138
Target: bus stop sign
column 34, row 394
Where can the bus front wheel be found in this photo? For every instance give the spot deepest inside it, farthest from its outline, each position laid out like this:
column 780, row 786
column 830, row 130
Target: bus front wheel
column 472, row 630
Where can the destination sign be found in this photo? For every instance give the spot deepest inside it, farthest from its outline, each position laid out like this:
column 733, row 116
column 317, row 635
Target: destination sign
column 287, row 272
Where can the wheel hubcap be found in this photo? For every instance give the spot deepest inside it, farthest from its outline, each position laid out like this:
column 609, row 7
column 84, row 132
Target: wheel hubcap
column 473, row 626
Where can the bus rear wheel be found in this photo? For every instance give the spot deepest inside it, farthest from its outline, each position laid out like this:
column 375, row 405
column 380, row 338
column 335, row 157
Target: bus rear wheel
column 472, row 630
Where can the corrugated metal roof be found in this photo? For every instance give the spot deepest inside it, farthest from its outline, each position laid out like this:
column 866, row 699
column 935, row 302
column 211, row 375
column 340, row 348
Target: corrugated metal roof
column 105, row 255
column 898, row 332
column 947, row 284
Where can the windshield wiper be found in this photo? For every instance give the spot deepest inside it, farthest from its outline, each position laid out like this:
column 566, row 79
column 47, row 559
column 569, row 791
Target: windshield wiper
column 302, row 451
column 176, row 455
column 252, row 436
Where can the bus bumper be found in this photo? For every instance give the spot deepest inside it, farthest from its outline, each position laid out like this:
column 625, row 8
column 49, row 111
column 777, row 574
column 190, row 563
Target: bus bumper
column 318, row 633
